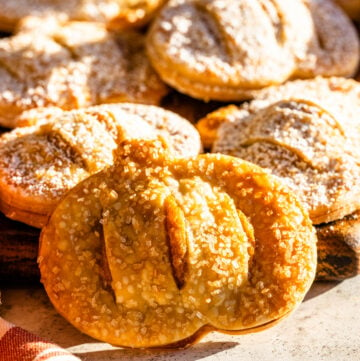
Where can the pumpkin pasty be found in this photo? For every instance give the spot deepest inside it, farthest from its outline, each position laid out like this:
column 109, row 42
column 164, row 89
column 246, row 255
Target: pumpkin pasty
column 307, row 132
column 305, row 145
column 156, row 251
column 38, row 164
column 227, row 50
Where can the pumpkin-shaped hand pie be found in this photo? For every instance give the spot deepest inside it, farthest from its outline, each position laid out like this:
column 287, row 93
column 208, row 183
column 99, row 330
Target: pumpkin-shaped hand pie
column 156, row 250
column 308, row 146
column 307, row 132
column 227, row 50
column 72, row 65
column 38, row 164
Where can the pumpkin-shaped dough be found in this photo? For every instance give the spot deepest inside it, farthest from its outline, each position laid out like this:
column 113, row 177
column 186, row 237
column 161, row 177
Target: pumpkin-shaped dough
column 38, row 164
column 156, row 250
column 306, row 132
column 227, row 50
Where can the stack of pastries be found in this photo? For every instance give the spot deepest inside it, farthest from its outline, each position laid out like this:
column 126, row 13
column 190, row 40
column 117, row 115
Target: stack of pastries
column 193, row 165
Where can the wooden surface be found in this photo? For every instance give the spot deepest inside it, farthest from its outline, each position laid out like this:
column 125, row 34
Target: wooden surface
column 18, row 252
column 339, row 248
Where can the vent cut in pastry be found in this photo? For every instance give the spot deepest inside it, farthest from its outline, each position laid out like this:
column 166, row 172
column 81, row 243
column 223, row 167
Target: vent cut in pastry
column 156, row 251
column 115, row 14
column 227, row 50
column 72, row 65
column 38, row 164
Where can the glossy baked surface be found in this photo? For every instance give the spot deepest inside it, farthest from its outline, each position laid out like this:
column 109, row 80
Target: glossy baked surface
column 157, row 251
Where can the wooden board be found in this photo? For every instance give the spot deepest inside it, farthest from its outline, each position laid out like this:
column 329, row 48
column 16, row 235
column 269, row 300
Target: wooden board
column 339, row 248
column 18, row 252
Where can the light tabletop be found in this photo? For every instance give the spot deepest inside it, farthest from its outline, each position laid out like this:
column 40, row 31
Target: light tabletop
column 326, row 326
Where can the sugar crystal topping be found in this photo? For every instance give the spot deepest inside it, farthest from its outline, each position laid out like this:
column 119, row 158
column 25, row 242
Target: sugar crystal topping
column 58, row 67
column 167, row 246
column 38, row 164
column 313, row 148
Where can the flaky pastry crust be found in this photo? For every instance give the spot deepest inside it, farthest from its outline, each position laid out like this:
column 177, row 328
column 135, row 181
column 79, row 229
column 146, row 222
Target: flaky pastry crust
column 228, row 50
column 340, row 96
column 72, row 65
column 38, row 164
column 312, row 150
column 156, row 251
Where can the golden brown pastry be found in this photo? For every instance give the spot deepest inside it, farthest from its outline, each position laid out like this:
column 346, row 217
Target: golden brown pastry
column 307, row 132
column 72, row 65
column 38, row 164
column 156, row 251
column 339, row 96
column 208, row 126
column 115, row 14
column 228, row 50
column 308, row 147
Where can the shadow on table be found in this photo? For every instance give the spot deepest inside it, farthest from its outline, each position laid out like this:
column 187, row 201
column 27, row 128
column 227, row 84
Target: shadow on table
column 320, row 287
column 196, row 352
